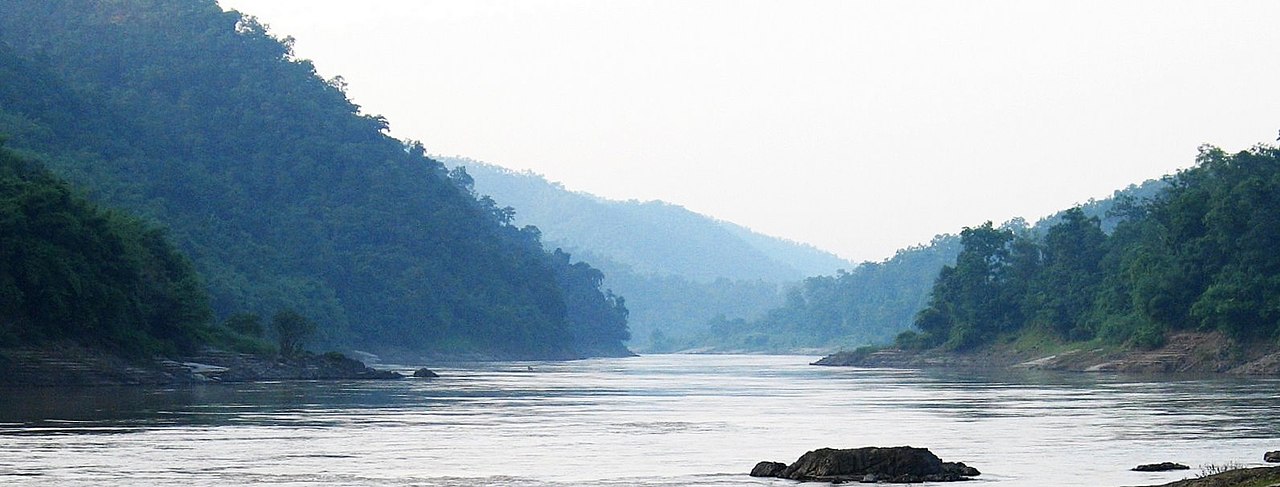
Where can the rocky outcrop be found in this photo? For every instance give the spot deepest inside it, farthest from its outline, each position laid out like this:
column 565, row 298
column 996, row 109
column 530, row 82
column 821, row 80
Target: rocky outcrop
column 1160, row 467
column 1271, row 457
column 902, row 464
column 425, row 373
column 768, row 469
column 239, row 367
column 1258, row 476
column 70, row 365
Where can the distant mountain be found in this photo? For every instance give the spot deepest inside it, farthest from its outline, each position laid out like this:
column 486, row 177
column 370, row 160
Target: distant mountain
column 651, row 237
column 680, row 271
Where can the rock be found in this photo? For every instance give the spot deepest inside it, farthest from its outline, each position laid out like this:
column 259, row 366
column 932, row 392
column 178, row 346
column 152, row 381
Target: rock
column 768, row 469
column 1271, row 457
column 870, row 464
column 1160, row 467
column 425, row 373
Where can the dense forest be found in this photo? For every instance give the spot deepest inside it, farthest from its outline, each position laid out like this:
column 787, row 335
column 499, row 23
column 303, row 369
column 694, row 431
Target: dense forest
column 1198, row 255
column 72, row 272
column 282, row 193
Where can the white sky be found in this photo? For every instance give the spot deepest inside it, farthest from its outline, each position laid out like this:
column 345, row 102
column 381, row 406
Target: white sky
column 860, row 127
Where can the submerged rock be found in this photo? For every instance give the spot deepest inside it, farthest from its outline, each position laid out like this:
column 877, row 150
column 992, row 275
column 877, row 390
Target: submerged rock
column 1271, row 456
column 1160, row 467
column 902, row 464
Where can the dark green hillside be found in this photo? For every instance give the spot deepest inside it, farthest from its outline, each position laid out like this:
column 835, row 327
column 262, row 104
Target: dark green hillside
column 70, row 272
column 1199, row 256
column 280, row 190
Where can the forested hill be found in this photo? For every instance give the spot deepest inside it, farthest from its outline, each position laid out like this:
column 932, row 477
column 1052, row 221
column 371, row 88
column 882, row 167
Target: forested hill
column 651, row 237
column 681, row 272
column 1199, row 256
column 282, row 193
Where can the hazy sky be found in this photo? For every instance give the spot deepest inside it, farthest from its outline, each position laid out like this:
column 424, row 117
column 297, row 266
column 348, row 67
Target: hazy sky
column 857, row 126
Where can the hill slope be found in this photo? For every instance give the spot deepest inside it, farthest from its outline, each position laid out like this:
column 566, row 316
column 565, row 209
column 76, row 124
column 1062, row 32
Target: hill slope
column 651, row 237
column 280, row 190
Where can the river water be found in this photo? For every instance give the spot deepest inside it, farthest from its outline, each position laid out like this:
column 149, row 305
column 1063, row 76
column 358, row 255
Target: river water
column 663, row 420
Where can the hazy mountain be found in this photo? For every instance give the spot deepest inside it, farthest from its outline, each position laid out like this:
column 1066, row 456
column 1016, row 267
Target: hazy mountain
column 680, row 271
column 651, row 237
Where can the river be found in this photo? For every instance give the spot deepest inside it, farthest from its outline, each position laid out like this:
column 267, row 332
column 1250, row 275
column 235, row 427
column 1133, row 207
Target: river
column 662, row 420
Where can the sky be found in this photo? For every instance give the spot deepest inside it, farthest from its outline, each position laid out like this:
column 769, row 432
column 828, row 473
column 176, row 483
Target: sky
column 860, row 127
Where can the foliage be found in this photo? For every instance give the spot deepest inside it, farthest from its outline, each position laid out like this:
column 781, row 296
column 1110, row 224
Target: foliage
column 70, row 271
column 1198, row 255
column 247, row 324
column 282, row 193
column 292, row 332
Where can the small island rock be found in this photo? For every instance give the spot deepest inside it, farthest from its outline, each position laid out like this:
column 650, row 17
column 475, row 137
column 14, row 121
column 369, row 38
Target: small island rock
column 901, row 464
column 768, row 469
column 1271, row 457
column 1160, row 467
column 425, row 373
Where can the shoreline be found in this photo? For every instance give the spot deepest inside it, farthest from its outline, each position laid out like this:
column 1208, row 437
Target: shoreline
column 1182, row 353
column 78, row 366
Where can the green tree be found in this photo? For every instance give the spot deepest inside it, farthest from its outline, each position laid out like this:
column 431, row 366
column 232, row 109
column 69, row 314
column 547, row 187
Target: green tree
column 292, row 332
column 1064, row 292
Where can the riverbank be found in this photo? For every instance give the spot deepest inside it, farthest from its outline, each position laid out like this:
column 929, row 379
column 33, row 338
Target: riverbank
column 1185, row 352
column 73, row 365
column 1244, row 477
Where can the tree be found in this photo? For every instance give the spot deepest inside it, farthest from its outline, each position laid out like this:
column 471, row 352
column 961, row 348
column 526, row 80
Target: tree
column 1067, row 286
column 292, row 332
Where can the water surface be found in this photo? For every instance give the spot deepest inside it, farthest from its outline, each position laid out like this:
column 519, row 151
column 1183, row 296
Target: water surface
column 663, row 420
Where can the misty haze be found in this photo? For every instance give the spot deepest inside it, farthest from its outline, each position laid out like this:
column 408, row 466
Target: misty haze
column 705, row 243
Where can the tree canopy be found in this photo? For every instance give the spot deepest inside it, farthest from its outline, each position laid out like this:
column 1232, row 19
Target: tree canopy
column 1199, row 255
column 71, row 272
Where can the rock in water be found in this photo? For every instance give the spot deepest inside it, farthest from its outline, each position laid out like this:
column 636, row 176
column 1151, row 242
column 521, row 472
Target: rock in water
column 1160, row 467
column 1271, row 457
column 768, row 469
column 870, row 464
column 425, row 373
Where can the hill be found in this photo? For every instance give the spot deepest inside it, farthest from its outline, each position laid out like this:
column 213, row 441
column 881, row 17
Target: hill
column 651, row 237
column 283, row 194
column 681, row 271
